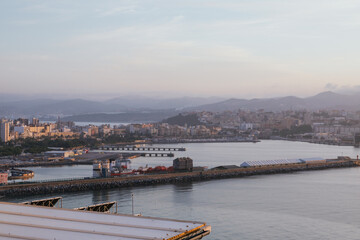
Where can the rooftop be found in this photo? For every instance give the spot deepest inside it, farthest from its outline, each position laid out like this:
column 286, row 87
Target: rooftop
column 34, row 222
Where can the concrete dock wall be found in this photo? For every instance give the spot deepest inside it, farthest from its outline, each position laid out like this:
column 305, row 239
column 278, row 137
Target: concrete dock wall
column 143, row 180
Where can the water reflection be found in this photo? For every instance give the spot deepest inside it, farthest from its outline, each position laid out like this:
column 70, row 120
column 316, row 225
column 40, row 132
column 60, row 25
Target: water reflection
column 311, row 205
column 100, row 196
column 183, row 187
column 182, row 195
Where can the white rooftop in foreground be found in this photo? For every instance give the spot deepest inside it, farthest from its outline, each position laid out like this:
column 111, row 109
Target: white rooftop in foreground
column 19, row 221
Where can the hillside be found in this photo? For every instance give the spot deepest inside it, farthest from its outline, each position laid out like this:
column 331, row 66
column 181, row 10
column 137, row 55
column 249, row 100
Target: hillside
column 325, row 100
column 189, row 120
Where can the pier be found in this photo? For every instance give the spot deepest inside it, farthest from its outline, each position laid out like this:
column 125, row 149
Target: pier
column 165, row 178
column 133, row 148
column 157, row 155
column 147, row 154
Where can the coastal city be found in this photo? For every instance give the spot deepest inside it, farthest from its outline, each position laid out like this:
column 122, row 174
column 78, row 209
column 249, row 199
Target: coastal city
column 111, row 147
column 326, row 126
column 179, row 120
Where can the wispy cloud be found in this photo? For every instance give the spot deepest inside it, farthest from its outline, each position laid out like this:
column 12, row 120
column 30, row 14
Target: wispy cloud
column 346, row 89
column 117, row 10
column 228, row 44
column 331, row 86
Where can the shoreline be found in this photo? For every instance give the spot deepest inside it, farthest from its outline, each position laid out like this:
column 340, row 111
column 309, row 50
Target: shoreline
column 204, row 141
column 26, row 189
column 273, row 138
column 90, row 161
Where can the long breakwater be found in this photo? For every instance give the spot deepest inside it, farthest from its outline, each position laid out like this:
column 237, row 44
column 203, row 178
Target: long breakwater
column 23, row 189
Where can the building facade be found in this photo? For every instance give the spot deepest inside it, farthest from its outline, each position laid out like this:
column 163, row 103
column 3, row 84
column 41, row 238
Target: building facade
column 5, row 132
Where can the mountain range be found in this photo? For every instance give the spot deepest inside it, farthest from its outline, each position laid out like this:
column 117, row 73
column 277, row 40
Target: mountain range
column 154, row 108
column 47, row 106
column 321, row 101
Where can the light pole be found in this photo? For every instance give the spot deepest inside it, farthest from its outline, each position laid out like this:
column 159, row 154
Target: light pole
column 132, row 204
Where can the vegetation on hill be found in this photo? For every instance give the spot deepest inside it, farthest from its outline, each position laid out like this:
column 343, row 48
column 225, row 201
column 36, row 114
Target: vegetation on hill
column 112, row 139
column 181, row 120
column 10, row 151
column 37, row 146
column 31, row 145
column 296, row 130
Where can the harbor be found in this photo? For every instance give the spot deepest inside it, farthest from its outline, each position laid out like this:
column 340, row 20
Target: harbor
column 204, row 154
column 166, row 177
column 298, row 199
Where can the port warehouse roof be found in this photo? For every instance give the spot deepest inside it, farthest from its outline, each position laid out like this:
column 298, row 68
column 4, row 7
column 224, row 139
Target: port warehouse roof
column 282, row 161
column 18, row 221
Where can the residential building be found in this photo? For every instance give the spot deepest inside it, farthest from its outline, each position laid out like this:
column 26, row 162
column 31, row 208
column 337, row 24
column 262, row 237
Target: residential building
column 5, row 131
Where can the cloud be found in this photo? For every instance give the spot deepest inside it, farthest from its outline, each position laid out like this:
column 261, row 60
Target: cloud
column 331, row 86
column 345, row 89
column 118, row 10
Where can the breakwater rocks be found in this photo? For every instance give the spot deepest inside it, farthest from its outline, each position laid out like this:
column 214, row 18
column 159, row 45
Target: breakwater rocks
column 144, row 180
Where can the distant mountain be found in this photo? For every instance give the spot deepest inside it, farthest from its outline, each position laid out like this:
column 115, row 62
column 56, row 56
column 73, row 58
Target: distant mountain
column 51, row 107
column 128, row 117
column 168, row 103
column 325, row 100
column 334, row 100
column 7, row 97
column 47, row 106
column 60, row 107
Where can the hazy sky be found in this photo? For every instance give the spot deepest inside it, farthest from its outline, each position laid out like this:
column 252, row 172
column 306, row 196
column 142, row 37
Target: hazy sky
column 256, row 48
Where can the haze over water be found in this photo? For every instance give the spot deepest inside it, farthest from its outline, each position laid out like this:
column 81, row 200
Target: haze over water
column 103, row 50
column 302, row 205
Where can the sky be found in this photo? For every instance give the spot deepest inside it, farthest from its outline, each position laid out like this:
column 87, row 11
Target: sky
column 228, row 48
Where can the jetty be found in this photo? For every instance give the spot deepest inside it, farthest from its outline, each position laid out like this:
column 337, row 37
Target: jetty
column 76, row 185
column 134, row 148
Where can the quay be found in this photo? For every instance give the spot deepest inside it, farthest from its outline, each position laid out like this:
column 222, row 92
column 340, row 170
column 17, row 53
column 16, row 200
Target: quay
column 22, row 189
column 133, row 155
column 157, row 155
column 133, row 148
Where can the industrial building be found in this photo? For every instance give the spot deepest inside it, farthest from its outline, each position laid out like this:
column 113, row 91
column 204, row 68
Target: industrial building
column 19, row 221
column 59, row 154
column 183, row 164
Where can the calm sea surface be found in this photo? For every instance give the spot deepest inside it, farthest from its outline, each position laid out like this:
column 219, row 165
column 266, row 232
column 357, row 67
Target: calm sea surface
column 304, row 205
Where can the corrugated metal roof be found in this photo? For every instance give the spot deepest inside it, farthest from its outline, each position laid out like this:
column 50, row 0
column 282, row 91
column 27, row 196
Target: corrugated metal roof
column 280, row 161
column 269, row 162
column 34, row 222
